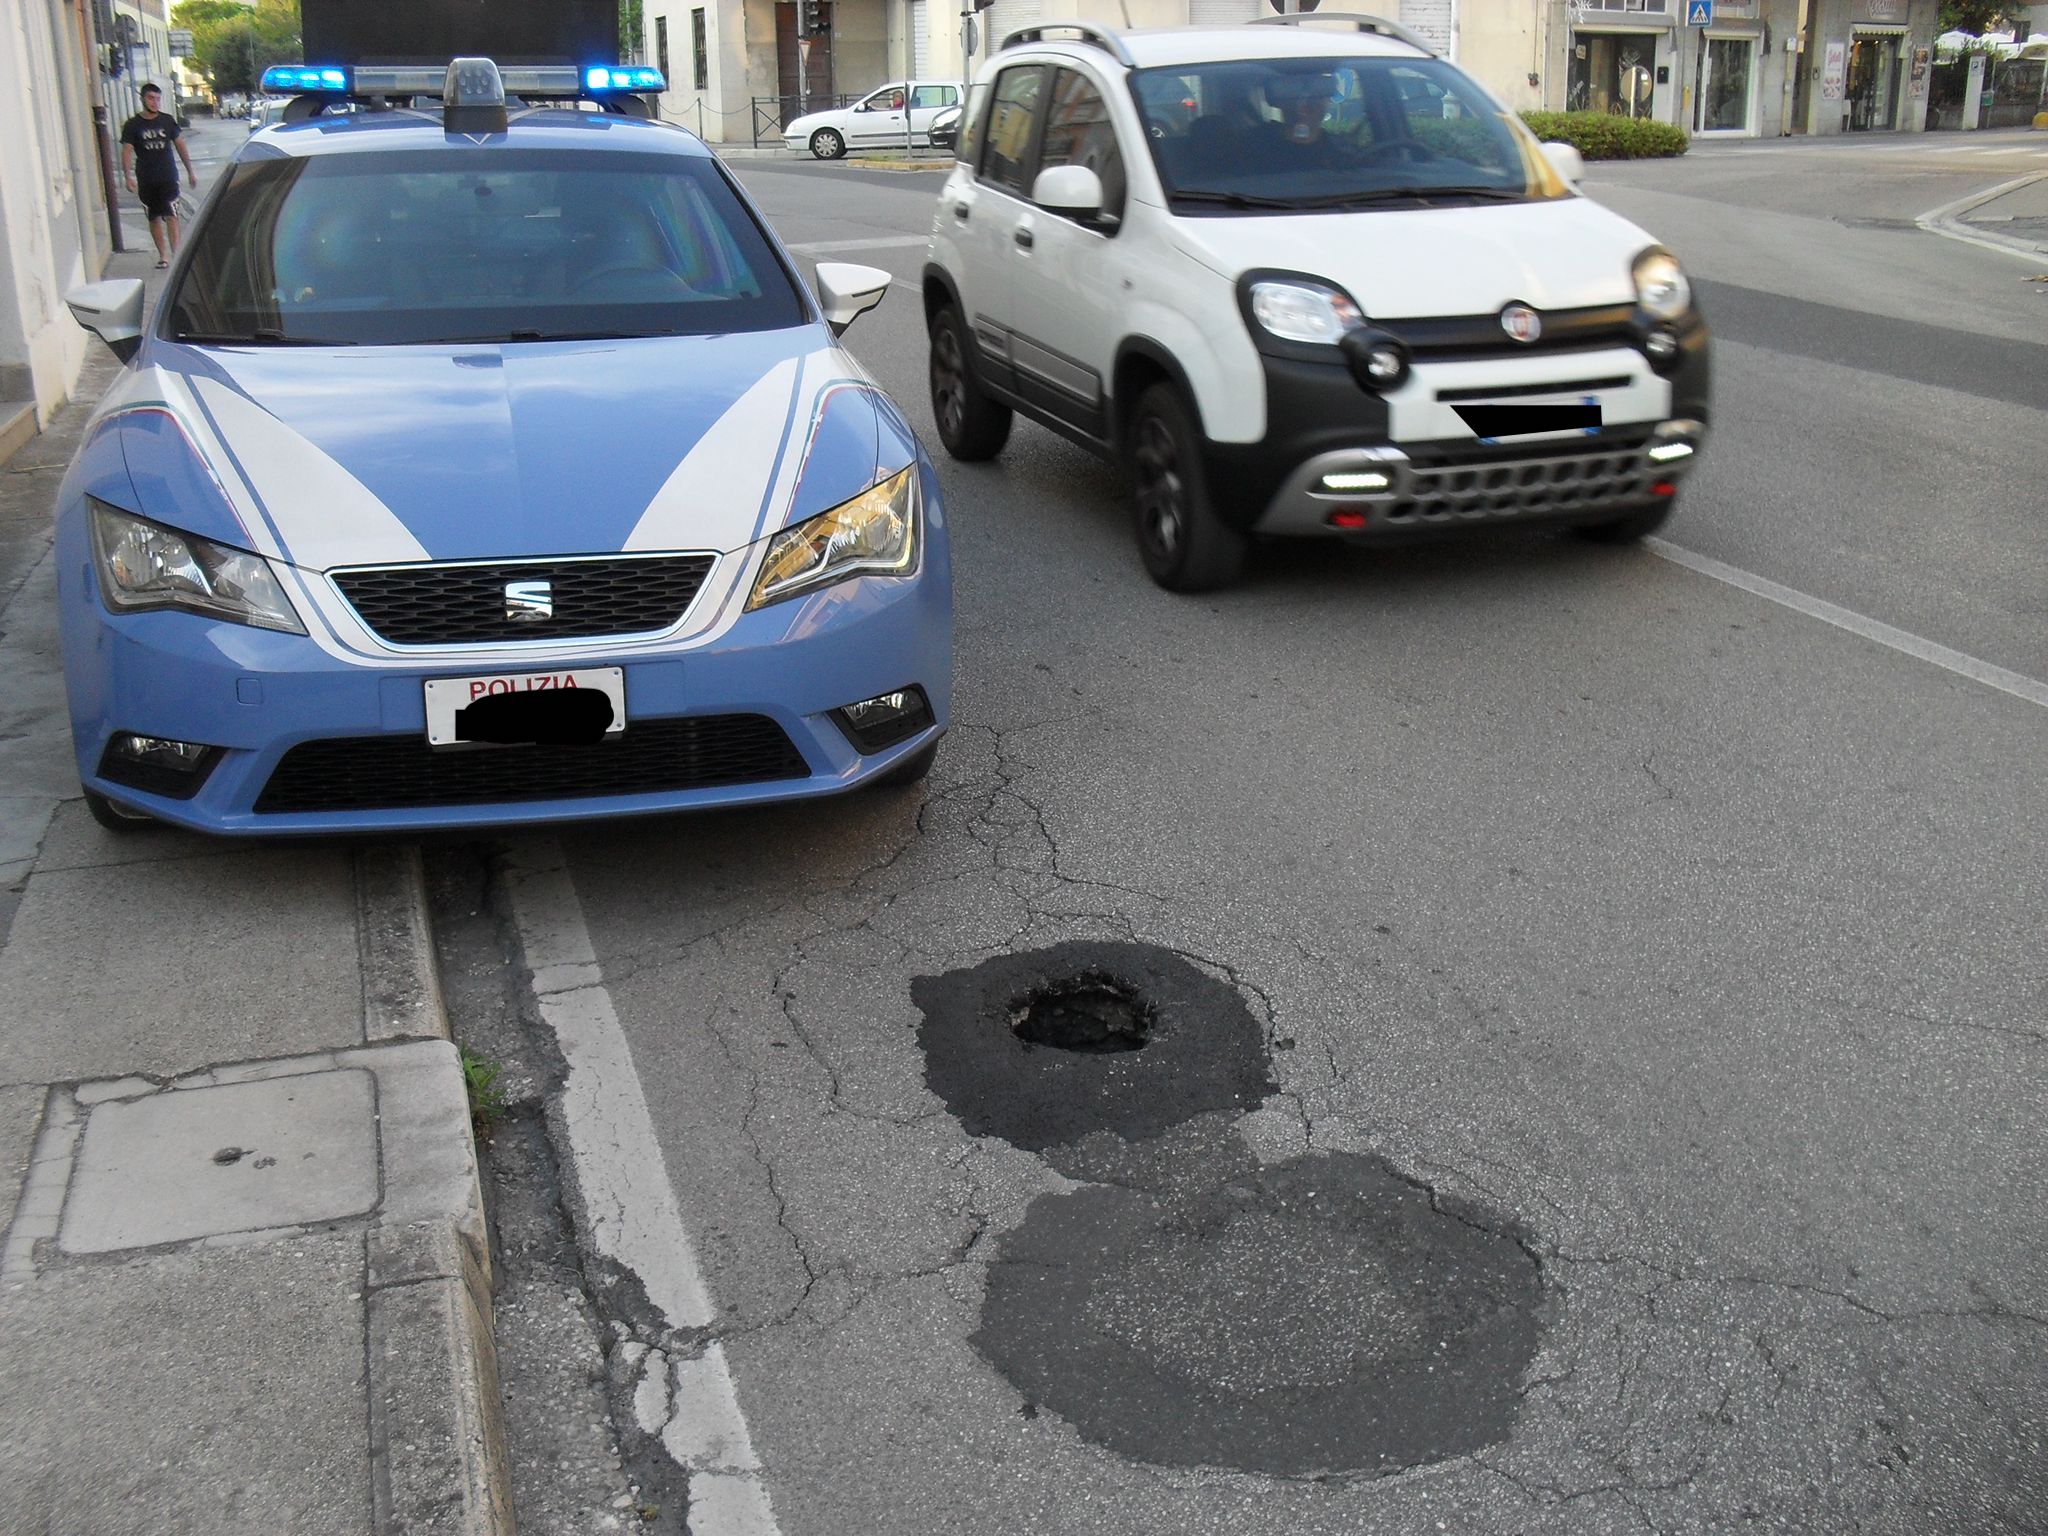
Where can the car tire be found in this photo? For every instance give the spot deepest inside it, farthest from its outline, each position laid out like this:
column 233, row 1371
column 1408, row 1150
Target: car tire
column 1185, row 546
column 910, row 771
column 116, row 818
column 1629, row 527
column 971, row 425
column 828, row 144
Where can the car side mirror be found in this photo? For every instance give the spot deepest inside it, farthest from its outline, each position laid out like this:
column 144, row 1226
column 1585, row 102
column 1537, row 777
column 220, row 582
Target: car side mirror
column 1073, row 190
column 112, row 311
column 1566, row 161
column 847, row 292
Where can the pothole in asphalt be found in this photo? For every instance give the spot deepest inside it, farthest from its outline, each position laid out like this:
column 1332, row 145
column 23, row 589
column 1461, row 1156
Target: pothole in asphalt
column 1186, row 1306
column 1042, row 1049
column 1094, row 1014
column 1317, row 1318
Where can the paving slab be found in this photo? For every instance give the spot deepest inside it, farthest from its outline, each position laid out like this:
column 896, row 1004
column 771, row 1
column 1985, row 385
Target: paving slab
column 204, row 1162
column 204, row 1392
column 166, row 967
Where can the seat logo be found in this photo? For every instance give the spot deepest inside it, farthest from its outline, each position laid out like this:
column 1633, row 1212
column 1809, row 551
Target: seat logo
column 529, row 602
column 1521, row 322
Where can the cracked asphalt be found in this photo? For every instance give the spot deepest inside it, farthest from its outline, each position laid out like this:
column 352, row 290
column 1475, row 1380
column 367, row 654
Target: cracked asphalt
column 1695, row 941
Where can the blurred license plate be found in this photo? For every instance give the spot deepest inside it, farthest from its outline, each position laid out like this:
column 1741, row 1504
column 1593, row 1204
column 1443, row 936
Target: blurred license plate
column 448, row 697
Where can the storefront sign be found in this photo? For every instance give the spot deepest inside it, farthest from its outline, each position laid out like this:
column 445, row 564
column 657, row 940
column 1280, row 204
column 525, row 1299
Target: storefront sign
column 1833, row 71
column 1889, row 13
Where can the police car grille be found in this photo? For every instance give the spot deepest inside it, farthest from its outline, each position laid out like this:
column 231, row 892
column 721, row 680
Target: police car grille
column 388, row 773
column 1532, row 480
column 466, row 604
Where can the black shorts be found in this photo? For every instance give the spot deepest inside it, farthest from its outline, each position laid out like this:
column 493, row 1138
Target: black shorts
column 159, row 198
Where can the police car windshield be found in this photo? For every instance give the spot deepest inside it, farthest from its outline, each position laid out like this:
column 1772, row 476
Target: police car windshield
column 1331, row 134
column 477, row 244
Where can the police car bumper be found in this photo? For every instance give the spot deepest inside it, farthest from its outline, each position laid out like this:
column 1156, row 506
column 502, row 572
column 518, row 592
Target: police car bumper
column 229, row 729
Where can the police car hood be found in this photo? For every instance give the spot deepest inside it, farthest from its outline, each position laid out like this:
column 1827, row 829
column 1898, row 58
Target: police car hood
column 375, row 454
column 1401, row 263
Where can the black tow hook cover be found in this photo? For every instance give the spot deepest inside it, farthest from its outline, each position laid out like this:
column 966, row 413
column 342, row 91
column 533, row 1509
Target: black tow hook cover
column 1377, row 360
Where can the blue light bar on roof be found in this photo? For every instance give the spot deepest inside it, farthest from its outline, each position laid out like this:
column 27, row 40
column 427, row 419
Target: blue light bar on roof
column 623, row 77
column 298, row 79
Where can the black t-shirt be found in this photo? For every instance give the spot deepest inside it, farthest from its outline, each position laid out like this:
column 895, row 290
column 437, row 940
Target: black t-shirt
column 152, row 138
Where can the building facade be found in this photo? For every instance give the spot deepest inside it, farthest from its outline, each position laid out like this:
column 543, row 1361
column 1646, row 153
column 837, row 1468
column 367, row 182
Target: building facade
column 143, row 40
column 1717, row 68
column 53, row 223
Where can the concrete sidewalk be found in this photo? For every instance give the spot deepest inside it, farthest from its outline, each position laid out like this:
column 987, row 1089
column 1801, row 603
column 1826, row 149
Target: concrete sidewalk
column 244, row 1277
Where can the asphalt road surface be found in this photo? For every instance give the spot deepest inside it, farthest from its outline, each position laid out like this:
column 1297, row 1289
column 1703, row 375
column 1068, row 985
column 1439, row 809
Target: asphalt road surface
column 1509, row 1036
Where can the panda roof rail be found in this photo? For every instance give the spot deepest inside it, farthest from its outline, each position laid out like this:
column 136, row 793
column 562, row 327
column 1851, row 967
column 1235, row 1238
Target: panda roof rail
column 1087, row 32
column 1375, row 24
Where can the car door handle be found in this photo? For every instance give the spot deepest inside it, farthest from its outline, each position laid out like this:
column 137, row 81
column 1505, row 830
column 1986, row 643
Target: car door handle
column 1024, row 238
column 962, row 210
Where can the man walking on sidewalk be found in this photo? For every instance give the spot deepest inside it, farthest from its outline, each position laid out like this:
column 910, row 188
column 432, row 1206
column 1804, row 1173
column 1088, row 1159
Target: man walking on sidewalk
column 147, row 140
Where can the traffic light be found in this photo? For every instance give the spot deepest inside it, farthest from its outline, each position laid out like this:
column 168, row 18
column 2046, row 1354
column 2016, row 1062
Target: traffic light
column 982, row 5
column 817, row 16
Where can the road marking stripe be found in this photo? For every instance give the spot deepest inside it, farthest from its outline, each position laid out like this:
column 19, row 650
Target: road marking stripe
column 2014, row 683
column 628, row 1201
column 1947, row 219
column 874, row 243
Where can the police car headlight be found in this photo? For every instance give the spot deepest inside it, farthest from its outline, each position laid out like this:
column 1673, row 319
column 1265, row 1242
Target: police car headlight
column 1661, row 288
column 875, row 534
column 1303, row 311
column 146, row 565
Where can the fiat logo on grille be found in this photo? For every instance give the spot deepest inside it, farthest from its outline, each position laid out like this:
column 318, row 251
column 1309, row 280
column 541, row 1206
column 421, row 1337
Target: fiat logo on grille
column 529, row 602
column 1521, row 322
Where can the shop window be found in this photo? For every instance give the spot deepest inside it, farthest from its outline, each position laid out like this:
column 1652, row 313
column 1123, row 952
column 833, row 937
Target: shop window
column 1612, row 72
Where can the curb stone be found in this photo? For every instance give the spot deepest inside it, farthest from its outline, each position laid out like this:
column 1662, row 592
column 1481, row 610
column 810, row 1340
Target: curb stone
column 401, row 982
column 438, row 1461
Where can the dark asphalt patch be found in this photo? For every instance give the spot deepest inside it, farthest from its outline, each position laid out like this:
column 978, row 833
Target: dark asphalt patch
column 1321, row 1317
column 1203, row 1050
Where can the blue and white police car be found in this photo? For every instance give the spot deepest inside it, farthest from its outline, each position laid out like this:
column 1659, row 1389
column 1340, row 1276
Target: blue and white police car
column 487, row 461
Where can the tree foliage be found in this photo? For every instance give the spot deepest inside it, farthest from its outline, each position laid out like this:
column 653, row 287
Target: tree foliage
column 1978, row 16
column 234, row 41
column 630, row 29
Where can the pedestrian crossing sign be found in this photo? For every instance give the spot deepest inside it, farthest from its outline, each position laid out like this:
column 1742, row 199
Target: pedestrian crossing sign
column 1699, row 13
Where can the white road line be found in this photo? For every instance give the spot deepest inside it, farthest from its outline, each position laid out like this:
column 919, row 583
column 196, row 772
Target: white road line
column 616, row 1167
column 875, row 243
column 2014, row 683
column 1947, row 221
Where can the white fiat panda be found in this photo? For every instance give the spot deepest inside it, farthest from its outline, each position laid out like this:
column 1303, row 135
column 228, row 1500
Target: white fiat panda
column 1302, row 279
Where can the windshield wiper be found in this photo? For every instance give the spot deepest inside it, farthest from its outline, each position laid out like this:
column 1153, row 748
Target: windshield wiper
column 1235, row 199
column 528, row 333
column 1366, row 198
column 262, row 336
column 1486, row 194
